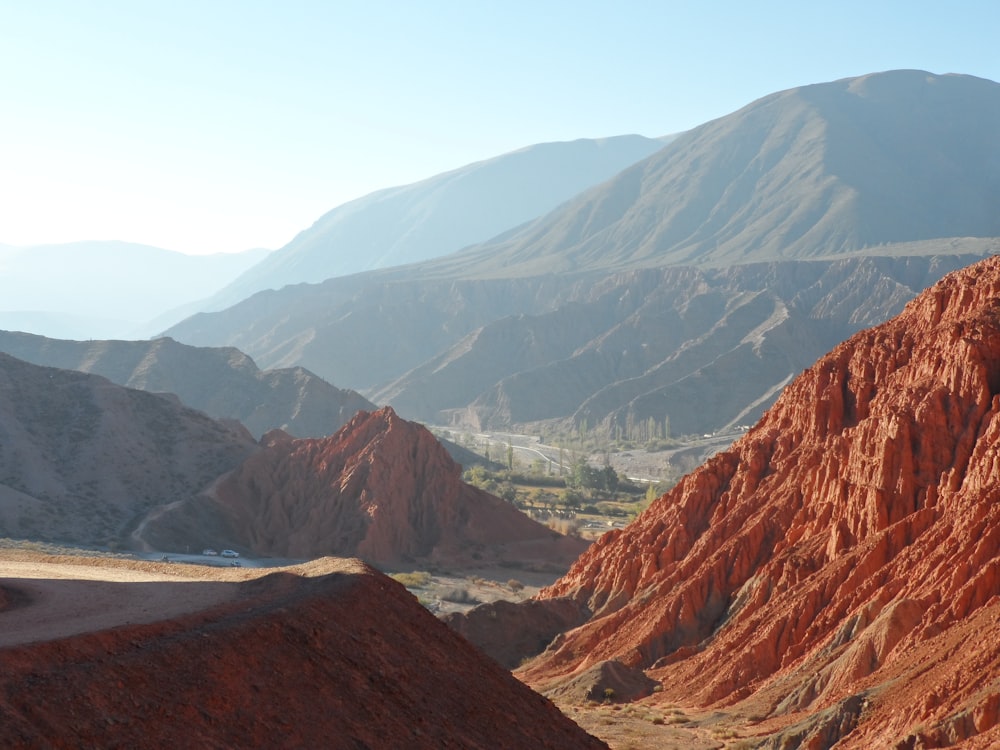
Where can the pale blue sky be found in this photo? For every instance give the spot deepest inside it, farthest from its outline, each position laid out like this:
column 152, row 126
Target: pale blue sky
column 219, row 125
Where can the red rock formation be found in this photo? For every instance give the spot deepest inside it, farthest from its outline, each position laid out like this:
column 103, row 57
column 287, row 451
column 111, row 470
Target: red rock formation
column 848, row 545
column 337, row 656
column 382, row 489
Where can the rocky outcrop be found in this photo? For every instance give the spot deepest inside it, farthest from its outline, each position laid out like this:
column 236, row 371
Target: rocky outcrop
column 382, row 489
column 331, row 655
column 849, row 544
column 83, row 459
column 609, row 681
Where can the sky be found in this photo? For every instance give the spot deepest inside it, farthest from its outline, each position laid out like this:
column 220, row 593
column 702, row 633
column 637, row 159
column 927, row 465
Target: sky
column 223, row 125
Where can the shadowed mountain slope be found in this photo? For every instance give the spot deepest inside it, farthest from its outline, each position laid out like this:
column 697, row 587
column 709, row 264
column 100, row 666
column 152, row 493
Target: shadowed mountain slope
column 698, row 350
column 839, row 560
column 332, row 655
column 381, row 488
column 82, row 459
column 605, row 349
column 442, row 214
column 222, row 382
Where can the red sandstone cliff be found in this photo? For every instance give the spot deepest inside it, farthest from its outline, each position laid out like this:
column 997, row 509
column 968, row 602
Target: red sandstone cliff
column 842, row 559
column 326, row 655
column 381, row 488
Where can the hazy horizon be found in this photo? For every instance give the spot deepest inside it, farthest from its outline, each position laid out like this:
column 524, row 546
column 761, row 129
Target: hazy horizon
column 223, row 127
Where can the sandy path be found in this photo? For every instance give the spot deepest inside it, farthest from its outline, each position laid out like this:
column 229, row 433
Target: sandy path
column 53, row 600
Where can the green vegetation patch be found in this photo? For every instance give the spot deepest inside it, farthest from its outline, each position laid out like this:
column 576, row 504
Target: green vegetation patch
column 415, row 580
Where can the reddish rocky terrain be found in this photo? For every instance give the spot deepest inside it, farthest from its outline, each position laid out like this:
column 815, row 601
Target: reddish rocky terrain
column 834, row 576
column 381, row 488
column 331, row 654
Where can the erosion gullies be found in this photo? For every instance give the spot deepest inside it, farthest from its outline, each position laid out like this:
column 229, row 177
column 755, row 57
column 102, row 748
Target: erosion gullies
column 381, row 488
column 846, row 543
column 696, row 349
column 331, row 654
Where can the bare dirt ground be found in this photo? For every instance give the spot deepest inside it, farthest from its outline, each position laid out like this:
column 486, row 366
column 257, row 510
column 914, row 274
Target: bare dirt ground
column 53, row 597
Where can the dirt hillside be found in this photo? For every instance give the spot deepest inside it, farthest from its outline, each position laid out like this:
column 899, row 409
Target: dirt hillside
column 330, row 654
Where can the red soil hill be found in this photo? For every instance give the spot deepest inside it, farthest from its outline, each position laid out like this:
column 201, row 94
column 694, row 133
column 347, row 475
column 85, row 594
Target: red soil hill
column 383, row 489
column 840, row 564
column 329, row 655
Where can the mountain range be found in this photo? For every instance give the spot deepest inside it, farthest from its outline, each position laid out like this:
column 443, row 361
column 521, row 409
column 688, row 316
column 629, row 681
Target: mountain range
column 442, row 214
column 222, row 382
column 752, row 243
column 817, row 260
column 381, row 488
column 85, row 461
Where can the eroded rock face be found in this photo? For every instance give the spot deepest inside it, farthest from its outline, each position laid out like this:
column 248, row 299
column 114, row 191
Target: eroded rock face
column 331, row 655
column 382, row 489
column 854, row 528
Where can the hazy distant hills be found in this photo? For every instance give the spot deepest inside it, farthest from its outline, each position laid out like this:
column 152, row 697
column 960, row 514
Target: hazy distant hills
column 107, row 289
column 222, row 382
column 788, row 225
column 442, row 214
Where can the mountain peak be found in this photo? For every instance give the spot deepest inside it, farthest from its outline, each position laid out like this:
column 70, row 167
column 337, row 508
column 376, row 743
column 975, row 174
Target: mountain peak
column 380, row 488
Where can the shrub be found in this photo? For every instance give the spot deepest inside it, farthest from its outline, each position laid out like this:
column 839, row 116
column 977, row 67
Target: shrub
column 415, row 580
column 460, row 596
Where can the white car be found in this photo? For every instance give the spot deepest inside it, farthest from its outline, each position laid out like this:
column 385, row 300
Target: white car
column 230, row 553
column 209, row 552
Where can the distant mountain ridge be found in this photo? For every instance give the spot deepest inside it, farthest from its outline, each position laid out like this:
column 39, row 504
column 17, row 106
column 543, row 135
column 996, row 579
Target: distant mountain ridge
column 817, row 171
column 222, row 382
column 437, row 216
